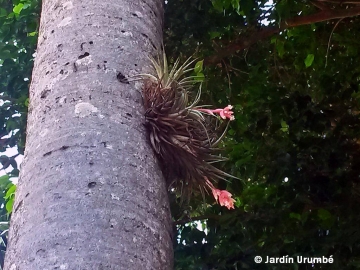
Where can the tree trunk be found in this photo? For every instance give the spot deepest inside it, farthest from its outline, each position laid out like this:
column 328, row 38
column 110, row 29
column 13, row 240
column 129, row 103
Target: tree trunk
column 90, row 194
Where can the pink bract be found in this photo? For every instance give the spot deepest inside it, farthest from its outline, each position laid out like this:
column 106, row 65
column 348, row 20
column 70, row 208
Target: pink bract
column 224, row 113
column 222, row 196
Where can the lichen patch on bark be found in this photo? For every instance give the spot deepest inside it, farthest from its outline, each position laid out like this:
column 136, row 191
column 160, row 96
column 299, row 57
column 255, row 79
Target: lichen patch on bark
column 65, row 22
column 68, row 5
column 84, row 109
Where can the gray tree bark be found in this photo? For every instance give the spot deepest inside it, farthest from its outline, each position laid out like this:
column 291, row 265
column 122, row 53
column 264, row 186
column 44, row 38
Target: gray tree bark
column 90, row 193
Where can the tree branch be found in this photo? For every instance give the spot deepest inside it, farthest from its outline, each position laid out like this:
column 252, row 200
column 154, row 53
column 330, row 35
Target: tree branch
column 341, row 2
column 321, row 16
column 319, row 5
column 187, row 220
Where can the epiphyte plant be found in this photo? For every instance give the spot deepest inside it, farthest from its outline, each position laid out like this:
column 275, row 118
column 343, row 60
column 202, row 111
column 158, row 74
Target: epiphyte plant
column 184, row 136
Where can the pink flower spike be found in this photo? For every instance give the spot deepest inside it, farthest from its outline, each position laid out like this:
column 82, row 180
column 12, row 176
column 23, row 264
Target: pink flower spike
column 224, row 113
column 226, row 200
column 221, row 196
column 227, row 113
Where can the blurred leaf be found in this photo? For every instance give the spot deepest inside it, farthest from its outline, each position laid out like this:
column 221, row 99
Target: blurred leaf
column 17, row 9
column 324, row 214
column 199, row 67
column 309, row 60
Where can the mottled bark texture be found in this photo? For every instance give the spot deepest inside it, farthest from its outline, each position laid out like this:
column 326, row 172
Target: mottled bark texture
column 90, row 194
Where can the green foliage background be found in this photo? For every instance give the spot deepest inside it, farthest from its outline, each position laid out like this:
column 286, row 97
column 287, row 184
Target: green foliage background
column 18, row 36
column 294, row 144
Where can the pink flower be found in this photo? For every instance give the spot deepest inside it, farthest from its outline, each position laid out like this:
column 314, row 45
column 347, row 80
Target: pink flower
column 224, row 113
column 222, row 196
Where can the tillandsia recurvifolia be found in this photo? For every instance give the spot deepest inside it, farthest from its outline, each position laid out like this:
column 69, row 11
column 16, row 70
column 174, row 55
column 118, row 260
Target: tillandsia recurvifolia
column 181, row 133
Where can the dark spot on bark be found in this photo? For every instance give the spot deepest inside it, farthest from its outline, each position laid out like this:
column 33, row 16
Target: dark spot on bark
column 64, row 147
column 59, row 46
column 82, row 46
column 134, row 14
column 153, row 45
column 47, row 72
column 67, row 63
column 98, row 67
column 52, row 31
column 111, row 226
column 129, row 114
column 105, row 61
column 91, row 184
column 89, row 97
column 47, row 154
column 123, row 31
column 44, row 93
column 27, row 194
column 104, row 144
column 61, row 71
column 151, row 42
column 91, row 42
column 121, row 78
column 18, row 206
column 40, row 252
column 135, row 65
column 91, row 163
column 86, row 54
column 75, row 67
